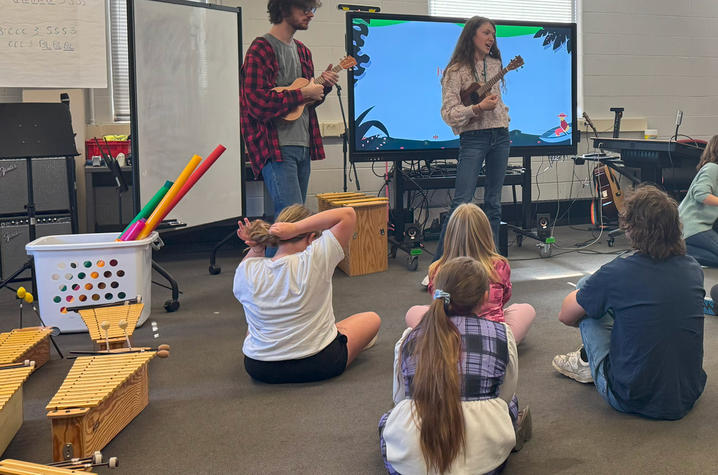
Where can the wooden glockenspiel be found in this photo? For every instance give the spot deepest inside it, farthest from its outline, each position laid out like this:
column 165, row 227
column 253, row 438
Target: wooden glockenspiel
column 99, row 397
column 122, row 320
column 12, row 377
column 30, row 343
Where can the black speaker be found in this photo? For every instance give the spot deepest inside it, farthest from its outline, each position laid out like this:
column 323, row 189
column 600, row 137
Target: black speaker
column 15, row 233
column 49, row 182
column 543, row 226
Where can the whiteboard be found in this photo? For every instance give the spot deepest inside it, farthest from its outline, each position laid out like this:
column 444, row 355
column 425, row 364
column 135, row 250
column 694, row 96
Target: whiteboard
column 53, row 43
column 185, row 101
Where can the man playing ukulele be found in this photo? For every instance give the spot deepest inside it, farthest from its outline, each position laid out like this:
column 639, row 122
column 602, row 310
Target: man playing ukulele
column 282, row 150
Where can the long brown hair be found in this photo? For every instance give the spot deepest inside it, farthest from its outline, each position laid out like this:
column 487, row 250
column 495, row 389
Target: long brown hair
column 710, row 153
column 259, row 229
column 468, row 233
column 436, row 348
column 464, row 50
column 652, row 224
column 280, row 9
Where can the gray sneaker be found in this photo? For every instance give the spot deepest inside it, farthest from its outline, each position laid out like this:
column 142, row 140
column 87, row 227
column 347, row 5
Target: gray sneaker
column 573, row 366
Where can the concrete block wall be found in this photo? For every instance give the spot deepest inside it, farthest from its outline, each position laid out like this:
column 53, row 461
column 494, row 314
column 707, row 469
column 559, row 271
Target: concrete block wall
column 652, row 58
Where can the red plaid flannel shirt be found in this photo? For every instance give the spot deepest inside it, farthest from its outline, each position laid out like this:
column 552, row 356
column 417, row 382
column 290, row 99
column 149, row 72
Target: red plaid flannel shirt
column 260, row 105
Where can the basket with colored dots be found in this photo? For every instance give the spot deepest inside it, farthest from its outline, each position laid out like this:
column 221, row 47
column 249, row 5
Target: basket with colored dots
column 77, row 270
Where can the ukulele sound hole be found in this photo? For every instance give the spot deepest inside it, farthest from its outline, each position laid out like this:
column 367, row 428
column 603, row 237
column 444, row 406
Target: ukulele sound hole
column 474, row 98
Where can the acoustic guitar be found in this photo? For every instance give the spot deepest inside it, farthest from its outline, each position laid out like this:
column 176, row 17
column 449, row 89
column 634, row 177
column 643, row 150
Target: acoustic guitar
column 477, row 92
column 345, row 63
column 609, row 192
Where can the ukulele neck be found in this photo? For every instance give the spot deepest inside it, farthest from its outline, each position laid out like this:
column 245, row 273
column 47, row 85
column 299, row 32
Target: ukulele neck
column 490, row 83
column 335, row 69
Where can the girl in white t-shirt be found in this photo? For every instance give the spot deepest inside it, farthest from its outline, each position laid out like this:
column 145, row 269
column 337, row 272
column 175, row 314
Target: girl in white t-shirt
column 292, row 334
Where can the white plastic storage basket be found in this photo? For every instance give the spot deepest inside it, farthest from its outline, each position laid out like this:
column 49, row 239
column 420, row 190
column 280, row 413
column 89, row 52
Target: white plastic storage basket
column 76, row 270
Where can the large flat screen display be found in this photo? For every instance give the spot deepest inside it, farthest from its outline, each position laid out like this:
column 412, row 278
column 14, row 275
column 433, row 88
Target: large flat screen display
column 395, row 88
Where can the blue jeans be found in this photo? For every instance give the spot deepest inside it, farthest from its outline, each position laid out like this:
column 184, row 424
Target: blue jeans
column 479, row 146
column 596, row 336
column 703, row 247
column 287, row 181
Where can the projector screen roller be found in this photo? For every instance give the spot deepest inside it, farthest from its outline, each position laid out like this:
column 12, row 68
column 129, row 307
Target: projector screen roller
column 395, row 89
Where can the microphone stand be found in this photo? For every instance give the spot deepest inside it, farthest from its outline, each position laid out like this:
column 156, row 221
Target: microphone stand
column 617, row 120
column 345, row 141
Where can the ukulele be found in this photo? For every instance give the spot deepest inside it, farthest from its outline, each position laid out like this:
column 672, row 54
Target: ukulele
column 477, row 92
column 345, row 63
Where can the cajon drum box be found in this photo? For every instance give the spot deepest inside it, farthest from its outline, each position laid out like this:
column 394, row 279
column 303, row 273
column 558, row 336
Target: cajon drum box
column 368, row 247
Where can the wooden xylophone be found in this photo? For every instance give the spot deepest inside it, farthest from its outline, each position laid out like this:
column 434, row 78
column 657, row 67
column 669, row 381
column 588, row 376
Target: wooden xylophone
column 30, row 343
column 11, row 379
column 99, row 397
column 18, row 467
column 116, row 336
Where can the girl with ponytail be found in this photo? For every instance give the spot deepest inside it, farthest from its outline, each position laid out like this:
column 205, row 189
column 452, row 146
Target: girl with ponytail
column 292, row 334
column 454, row 386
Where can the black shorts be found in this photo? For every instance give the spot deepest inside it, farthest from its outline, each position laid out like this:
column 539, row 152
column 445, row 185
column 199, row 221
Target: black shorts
column 330, row 362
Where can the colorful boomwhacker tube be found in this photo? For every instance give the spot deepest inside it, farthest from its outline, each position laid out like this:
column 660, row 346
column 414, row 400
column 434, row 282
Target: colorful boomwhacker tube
column 168, row 196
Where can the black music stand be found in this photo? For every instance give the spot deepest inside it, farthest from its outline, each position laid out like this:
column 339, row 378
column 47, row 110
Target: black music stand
column 114, row 167
column 34, row 130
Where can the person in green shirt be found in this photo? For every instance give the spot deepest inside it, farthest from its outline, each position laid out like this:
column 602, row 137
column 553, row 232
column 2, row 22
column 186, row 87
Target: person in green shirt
column 699, row 209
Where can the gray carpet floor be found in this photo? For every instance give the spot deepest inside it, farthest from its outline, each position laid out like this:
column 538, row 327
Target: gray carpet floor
column 207, row 416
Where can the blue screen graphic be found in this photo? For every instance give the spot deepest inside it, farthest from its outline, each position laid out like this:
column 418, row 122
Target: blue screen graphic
column 397, row 84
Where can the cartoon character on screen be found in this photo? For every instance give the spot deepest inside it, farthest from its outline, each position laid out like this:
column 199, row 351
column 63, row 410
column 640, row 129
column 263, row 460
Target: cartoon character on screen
column 564, row 126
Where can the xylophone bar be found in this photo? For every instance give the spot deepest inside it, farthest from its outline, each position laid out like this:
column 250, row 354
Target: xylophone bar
column 25, row 363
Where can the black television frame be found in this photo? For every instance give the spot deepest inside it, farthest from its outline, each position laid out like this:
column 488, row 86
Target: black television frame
column 452, row 153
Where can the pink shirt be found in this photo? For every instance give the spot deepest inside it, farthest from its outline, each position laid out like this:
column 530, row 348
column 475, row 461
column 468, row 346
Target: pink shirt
column 499, row 293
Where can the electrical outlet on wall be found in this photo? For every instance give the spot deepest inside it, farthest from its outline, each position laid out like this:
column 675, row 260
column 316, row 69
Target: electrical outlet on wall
column 331, row 129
